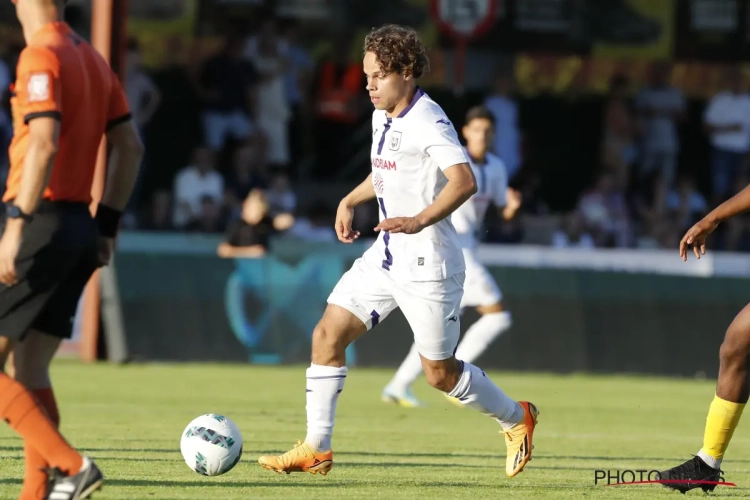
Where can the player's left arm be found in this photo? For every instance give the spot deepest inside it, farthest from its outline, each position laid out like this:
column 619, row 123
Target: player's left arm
column 440, row 142
column 461, row 186
column 506, row 199
column 38, row 95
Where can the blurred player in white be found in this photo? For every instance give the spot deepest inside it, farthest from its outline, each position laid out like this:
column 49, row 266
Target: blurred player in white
column 420, row 175
column 480, row 289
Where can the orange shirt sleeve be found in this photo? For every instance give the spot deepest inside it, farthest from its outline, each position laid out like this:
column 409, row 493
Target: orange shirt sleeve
column 37, row 87
column 119, row 111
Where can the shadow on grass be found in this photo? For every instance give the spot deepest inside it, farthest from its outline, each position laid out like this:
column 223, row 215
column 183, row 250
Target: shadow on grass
column 481, row 456
column 19, row 449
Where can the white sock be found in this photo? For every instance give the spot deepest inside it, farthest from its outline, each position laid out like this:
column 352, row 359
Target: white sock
column 324, row 384
column 481, row 334
column 476, row 390
column 408, row 372
column 712, row 462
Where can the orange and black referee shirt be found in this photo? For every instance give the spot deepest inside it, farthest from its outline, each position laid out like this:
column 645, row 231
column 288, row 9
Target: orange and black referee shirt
column 60, row 75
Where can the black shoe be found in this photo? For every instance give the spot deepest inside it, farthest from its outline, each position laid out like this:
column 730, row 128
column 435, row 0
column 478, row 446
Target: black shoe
column 76, row 487
column 693, row 472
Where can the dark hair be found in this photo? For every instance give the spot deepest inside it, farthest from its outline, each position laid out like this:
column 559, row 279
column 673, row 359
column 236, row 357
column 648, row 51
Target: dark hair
column 479, row 113
column 398, row 50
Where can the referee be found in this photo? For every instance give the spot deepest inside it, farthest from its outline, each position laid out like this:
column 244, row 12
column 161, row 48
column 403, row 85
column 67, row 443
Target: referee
column 64, row 100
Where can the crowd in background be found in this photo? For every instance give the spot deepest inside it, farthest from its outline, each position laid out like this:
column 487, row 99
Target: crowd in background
column 272, row 117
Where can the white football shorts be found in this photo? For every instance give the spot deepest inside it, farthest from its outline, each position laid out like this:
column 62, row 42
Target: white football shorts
column 432, row 308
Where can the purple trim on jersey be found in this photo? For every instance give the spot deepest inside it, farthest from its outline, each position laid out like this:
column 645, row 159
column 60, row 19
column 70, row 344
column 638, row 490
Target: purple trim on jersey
column 388, row 121
column 388, row 261
column 375, row 318
column 382, row 137
column 417, row 96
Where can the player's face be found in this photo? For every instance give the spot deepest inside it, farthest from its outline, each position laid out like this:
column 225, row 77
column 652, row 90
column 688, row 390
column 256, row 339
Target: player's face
column 478, row 134
column 386, row 91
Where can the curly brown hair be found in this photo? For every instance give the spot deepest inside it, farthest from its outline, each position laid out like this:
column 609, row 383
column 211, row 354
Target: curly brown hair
column 398, row 50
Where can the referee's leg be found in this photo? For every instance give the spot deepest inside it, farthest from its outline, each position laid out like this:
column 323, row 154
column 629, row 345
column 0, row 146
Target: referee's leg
column 30, row 366
column 25, row 415
column 32, row 358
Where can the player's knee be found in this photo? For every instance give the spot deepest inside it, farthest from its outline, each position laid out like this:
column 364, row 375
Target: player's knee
column 30, row 372
column 733, row 351
column 736, row 345
column 327, row 341
column 32, row 378
column 6, row 347
column 442, row 375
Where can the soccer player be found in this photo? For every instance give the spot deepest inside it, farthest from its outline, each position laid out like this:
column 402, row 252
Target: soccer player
column 732, row 388
column 64, row 100
column 420, row 175
column 480, row 290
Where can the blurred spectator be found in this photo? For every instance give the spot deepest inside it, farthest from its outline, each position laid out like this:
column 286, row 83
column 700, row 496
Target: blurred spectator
column 619, row 149
column 248, row 173
column 727, row 122
column 661, row 107
column 227, row 86
column 195, row 182
column 340, row 103
column 272, row 112
column 573, row 233
column 604, row 213
column 685, row 205
column 251, row 235
column 507, row 134
column 144, row 99
column 210, row 218
column 143, row 95
column 298, row 80
column 281, row 197
column 160, row 218
column 316, row 226
column 6, row 123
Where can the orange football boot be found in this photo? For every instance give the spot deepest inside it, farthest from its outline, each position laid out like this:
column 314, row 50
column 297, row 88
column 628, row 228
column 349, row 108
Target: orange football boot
column 518, row 440
column 301, row 458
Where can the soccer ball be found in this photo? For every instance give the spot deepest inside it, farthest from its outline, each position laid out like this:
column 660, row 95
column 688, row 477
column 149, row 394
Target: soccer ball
column 211, row 445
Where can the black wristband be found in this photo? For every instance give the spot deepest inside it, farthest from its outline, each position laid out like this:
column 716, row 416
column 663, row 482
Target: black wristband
column 108, row 220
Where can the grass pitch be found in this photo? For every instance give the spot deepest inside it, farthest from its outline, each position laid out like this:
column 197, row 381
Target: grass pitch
column 130, row 419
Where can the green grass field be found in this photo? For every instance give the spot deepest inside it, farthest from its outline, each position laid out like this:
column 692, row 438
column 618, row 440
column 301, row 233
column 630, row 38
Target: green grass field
column 130, row 419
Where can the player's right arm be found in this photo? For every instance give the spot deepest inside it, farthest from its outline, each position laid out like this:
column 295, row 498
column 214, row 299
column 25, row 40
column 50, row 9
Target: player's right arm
column 125, row 160
column 122, row 171
column 127, row 151
column 345, row 213
column 696, row 235
column 360, row 194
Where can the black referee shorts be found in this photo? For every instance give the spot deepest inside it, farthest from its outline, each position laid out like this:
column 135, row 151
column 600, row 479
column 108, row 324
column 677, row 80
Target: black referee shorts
column 58, row 255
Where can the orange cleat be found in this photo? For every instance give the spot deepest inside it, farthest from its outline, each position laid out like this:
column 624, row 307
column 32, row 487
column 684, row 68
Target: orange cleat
column 300, row 459
column 518, row 440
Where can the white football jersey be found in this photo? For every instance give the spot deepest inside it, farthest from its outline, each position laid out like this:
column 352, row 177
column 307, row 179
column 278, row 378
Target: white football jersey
column 492, row 184
column 409, row 154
